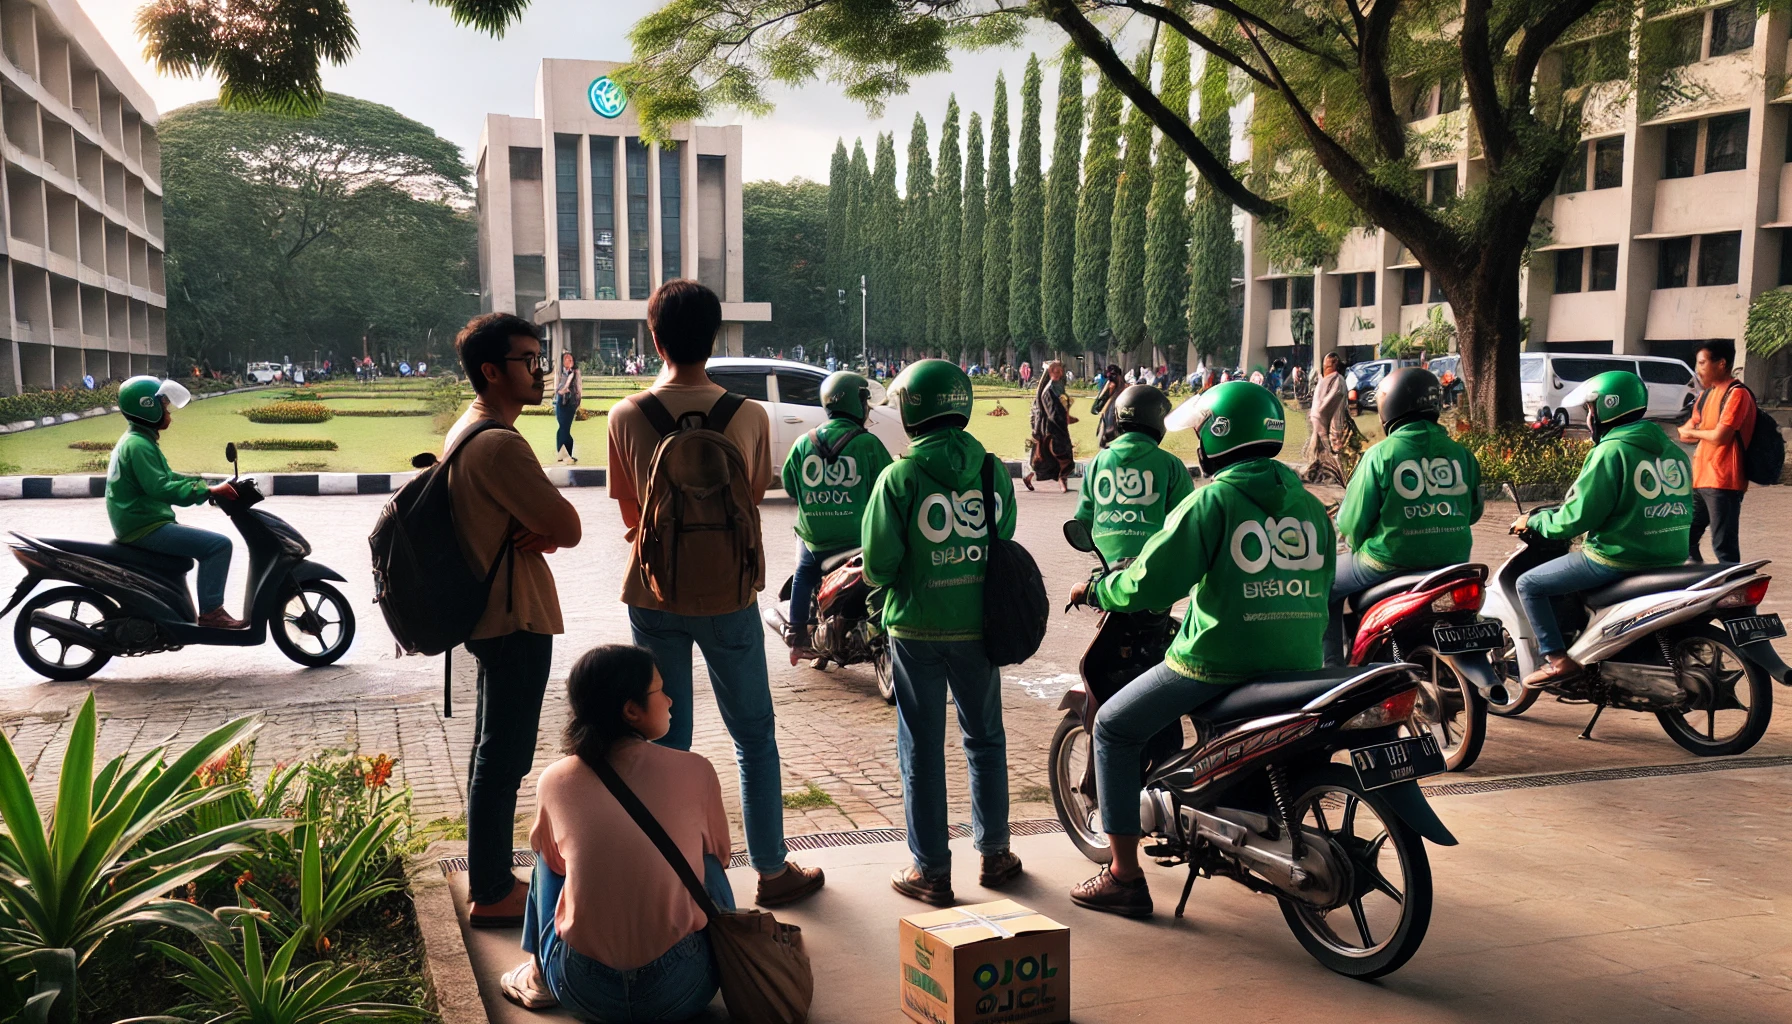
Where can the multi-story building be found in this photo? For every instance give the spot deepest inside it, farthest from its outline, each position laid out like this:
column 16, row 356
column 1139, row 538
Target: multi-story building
column 1667, row 224
column 580, row 219
column 81, row 253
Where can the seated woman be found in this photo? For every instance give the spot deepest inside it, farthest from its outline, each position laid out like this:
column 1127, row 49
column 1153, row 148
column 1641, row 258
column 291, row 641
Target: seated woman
column 614, row 933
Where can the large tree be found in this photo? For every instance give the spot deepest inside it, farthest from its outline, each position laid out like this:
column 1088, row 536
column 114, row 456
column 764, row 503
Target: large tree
column 970, row 250
column 1166, row 228
column 948, row 217
column 1210, row 323
column 858, row 220
column 1094, row 218
column 1126, row 267
column 883, row 235
column 1027, row 231
column 786, row 241
column 920, row 290
column 839, row 258
column 997, row 229
column 1058, row 261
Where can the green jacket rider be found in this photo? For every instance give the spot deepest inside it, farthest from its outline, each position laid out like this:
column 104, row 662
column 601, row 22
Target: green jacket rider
column 1132, row 485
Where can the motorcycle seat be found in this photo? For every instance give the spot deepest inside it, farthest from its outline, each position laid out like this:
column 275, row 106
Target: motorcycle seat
column 126, row 555
column 1652, row 581
column 838, row 559
column 1268, row 695
column 1367, row 599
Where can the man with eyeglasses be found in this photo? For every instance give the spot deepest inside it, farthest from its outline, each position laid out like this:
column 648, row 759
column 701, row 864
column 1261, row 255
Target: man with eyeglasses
column 508, row 516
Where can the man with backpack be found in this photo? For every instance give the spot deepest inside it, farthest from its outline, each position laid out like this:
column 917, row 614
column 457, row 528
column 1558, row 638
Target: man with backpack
column 1723, row 424
column 927, row 539
column 507, row 516
column 689, row 463
column 829, row 474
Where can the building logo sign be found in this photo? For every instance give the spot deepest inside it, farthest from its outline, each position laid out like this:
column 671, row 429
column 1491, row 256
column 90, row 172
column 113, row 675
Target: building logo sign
column 606, row 97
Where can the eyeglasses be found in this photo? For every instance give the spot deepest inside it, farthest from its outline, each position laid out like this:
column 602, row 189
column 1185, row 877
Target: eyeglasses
column 537, row 363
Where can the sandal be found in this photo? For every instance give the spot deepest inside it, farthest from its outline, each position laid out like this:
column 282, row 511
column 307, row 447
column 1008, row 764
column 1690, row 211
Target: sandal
column 524, row 986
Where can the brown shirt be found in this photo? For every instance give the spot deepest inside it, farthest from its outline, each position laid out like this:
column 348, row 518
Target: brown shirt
column 495, row 476
column 632, row 443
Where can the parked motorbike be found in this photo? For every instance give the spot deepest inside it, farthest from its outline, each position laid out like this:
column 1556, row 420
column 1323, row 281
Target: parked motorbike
column 1685, row 644
column 844, row 632
column 1249, row 791
column 127, row 601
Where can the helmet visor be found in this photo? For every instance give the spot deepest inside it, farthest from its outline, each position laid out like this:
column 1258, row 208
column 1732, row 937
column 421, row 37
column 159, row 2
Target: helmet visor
column 174, row 394
column 1581, row 395
column 879, row 396
column 1187, row 416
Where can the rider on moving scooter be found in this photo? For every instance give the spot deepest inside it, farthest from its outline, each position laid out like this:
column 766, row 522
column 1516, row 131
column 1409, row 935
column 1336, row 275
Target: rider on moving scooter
column 1410, row 502
column 1255, row 552
column 1633, row 500
column 1132, row 486
column 140, row 488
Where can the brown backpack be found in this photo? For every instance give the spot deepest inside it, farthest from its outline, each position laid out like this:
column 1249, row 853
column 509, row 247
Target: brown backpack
column 698, row 544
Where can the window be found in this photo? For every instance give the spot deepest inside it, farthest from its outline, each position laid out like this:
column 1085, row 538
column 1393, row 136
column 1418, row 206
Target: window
column 531, row 282
column 1683, row 40
column 1574, row 172
column 1418, row 108
column 1602, row 271
column 525, row 164
column 748, row 383
column 1530, row 369
column 639, row 272
column 1726, row 143
column 1412, row 287
column 1443, row 185
column 1303, row 293
column 1449, row 95
column 1676, row 258
column 1732, row 29
column 1680, row 150
column 566, row 210
column 1719, row 256
column 671, row 207
column 1663, row 372
column 1608, row 162
column 1366, row 293
column 1347, row 291
column 1576, row 369
column 1437, row 291
column 1568, row 268
column 1278, row 293
column 603, row 215
column 799, row 388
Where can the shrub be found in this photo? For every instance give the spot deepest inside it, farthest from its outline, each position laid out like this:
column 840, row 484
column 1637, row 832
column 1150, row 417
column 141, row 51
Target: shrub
column 1523, row 458
column 288, row 412
column 287, row 444
column 92, row 446
column 56, row 401
column 580, row 416
column 381, row 412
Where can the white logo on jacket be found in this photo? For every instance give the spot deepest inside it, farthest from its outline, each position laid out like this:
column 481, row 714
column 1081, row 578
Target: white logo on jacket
column 843, row 472
column 1429, row 477
column 1126, row 486
column 1653, row 478
column 1288, row 543
column 940, row 516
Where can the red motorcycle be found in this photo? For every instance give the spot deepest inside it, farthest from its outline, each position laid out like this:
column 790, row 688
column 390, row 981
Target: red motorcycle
column 844, row 632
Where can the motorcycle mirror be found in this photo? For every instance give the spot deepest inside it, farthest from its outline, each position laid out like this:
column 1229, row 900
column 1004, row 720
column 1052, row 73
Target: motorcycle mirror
column 230, row 456
column 1077, row 535
column 1512, row 492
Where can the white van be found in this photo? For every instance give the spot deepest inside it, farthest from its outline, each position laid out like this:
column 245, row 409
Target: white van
column 263, row 373
column 1545, row 378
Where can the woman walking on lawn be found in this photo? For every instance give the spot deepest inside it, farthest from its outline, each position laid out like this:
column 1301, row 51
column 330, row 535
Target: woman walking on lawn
column 568, row 393
column 1052, row 455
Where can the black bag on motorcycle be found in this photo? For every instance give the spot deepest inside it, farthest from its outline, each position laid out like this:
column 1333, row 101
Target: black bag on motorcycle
column 1015, row 608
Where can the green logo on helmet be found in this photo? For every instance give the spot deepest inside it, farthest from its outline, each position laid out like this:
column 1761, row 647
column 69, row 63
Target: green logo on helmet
column 1221, row 426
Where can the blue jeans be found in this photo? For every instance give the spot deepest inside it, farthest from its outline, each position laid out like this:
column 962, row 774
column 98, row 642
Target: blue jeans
column 923, row 671
column 211, row 550
column 677, row 986
column 733, row 647
column 1123, row 726
column 564, row 411
column 1569, row 574
column 804, row 581
column 1354, row 575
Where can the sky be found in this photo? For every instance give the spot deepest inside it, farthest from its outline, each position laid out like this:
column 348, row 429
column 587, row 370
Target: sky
column 415, row 59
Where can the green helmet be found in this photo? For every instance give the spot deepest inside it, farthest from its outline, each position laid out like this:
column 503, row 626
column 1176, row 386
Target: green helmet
column 1236, row 418
column 1610, row 395
column 930, row 392
column 141, row 398
column 846, row 394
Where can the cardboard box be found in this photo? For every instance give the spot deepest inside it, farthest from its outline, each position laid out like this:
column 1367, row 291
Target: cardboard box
column 991, row 963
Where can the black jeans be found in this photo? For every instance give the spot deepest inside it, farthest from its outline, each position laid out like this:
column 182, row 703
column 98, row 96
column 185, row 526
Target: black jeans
column 1722, row 512
column 513, row 676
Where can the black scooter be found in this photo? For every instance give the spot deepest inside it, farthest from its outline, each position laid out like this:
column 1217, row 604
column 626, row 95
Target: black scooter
column 127, row 601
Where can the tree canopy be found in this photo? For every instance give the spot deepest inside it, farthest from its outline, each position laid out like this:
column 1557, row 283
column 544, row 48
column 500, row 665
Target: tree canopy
column 785, row 236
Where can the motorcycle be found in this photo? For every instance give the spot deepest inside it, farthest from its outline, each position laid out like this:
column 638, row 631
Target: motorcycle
column 844, row 633
column 127, row 601
column 1250, row 791
column 1685, row 644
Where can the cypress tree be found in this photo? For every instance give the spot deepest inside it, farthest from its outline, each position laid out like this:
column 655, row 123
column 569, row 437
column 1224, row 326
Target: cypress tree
column 839, row 198
column 970, row 250
column 1029, row 222
column 858, row 214
column 919, row 289
column 884, row 246
column 1210, row 285
column 1095, row 217
column 948, row 216
column 996, row 231
column 1058, row 259
column 1167, row 229
column 1126, row 267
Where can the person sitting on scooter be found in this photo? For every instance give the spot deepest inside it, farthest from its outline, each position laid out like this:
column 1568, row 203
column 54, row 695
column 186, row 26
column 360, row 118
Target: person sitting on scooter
column 1255, row 552
column 1132, row 486
column 1633, row 500
column 829, row 473
column 140, row 488
column 1410, row 502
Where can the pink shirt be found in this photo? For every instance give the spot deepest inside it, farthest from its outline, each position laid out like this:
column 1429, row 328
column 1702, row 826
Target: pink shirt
column 623, row 905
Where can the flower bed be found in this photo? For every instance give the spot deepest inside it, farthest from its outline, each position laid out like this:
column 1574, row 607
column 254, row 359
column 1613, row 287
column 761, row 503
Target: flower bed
column 1538, row 463
column 56, row 401
column 288, row 412
column 380, row 412
column 287, row 444
column 92, row 446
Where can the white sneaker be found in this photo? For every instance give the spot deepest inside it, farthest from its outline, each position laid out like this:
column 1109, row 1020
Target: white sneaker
column 559, row 455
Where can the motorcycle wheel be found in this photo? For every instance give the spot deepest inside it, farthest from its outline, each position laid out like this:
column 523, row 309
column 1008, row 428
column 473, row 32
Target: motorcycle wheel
column 1079, row 810
column 1453, row 704
column 314, row 625
column 1744, row 697
column 1519, row 699
column 52, row 657
column 1383, row 922
column 880, row 664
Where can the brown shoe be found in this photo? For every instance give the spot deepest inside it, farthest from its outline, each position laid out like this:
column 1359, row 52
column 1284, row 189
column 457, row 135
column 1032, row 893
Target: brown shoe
column 1556, row 670
column 910, row 882
column 999, row 869
column 218, row 618
column 505, row 913
column 793, row 883
column 1110, row 895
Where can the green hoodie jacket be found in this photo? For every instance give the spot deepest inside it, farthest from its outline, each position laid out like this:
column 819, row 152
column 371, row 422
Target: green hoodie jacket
column 1633, row 500
column 924, row 537
column 830, row 499
column 140, row 487
column 1257, row 552
column 1128, row 492
column 1412, row 499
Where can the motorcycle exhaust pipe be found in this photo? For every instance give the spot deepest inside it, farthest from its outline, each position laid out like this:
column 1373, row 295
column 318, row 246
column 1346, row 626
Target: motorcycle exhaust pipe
column 70, row 631
column 1763, row 654
column 1480, row 673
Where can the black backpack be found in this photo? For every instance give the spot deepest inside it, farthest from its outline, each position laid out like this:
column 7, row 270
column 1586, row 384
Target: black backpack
column 431, row 597
column 1015, row 608
column 1764, row 457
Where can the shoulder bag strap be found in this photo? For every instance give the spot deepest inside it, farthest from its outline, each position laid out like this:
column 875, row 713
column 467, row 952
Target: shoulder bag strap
column 650, row 825
column 831, row 453
column 657, row 416
column 989, row 500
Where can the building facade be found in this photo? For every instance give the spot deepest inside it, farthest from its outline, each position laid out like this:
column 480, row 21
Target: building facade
column 81, row 255
column 1666, row 225
column 580, row 219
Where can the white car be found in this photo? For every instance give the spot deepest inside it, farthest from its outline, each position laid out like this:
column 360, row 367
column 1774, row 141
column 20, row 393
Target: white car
column 263, row 373
column 790, row 392
column 1546, row 378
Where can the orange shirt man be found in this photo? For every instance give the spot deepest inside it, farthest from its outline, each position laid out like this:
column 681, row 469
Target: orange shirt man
column 1723, row 425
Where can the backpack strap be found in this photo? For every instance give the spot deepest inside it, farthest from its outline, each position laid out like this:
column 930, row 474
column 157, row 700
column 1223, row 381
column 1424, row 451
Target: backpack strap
column 722, row 413
column 506, row 551
column 655, row 832
column 830, row 453
column 657, row 415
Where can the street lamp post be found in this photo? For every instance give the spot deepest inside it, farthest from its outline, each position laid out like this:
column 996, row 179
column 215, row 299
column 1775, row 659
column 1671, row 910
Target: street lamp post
column 864, row 350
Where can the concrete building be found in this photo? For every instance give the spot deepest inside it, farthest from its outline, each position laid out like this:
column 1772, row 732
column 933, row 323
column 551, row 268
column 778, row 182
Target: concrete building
column 1670, row 220
column 580, row 220
column 81, row 256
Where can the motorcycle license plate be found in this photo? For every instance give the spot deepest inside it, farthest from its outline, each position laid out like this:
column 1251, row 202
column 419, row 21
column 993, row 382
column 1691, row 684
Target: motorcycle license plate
column 1462, row 639
column 1400, row 761
column 1750, row 628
